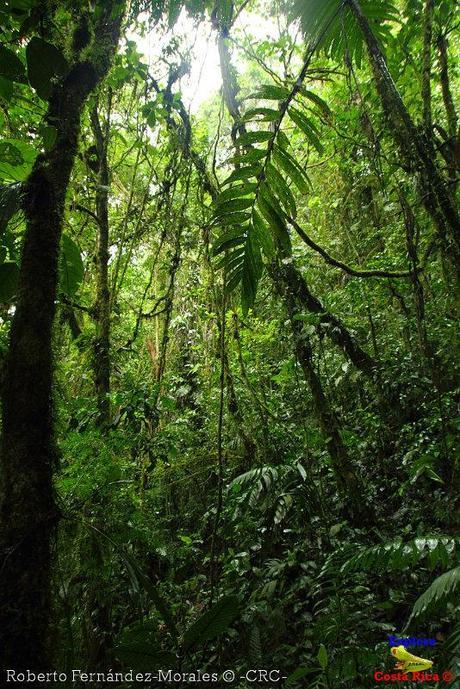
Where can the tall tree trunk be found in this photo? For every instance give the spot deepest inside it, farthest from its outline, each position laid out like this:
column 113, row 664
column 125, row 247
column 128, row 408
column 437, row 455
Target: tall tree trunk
column 101, row 347
column 28, row 510
column 414, row 147
column 452, row 119
column 348, row 481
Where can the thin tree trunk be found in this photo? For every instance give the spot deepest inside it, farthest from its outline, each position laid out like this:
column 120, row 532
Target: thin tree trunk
column 101, row 346
column 414, row 147
column 431, row 361
column 452, row 119
column 426, row 68
column 28, row 510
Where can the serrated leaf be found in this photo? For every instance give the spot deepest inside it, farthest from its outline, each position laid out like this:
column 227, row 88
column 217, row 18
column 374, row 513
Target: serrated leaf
column 213, row 623
column 270, row 92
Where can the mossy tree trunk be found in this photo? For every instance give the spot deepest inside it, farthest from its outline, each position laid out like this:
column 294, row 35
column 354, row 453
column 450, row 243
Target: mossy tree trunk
column 348, row 481
column 28, row 511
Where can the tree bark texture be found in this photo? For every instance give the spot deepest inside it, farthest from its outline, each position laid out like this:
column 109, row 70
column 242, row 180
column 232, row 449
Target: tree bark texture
column 414, row 147
column 28, row 510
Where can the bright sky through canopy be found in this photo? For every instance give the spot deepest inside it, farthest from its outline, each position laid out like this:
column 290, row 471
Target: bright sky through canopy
column 204, row 78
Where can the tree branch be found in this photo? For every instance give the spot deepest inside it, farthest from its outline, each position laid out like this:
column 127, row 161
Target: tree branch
column 338, row 264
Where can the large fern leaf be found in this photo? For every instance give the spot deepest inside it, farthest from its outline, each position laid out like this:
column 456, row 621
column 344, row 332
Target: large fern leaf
column 443, row 589
column 257, row 199
column 396, row 555
column 213, row 623
column 331, row 24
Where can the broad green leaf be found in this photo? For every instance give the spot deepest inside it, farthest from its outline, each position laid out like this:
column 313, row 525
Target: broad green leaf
column 263, row 235
column 71, row 267
column 306, row 126
column 253, row 138
column 11, row 67
column 322, row 656
column 278, row 184
column 45, row 63
column 244, row 173
column 174, row 8
column 9, row 277
column 137, row 648
column 273, row 214
column 236, row 192
column 287, row 163
column 213, row 623
column 232, row 206
column 6, row 89
column 238, row 218
column 444, row 588
column 18, row 173
column 250, row 156
column 318, row 101
column 268, row 114
column 49, row 135
column 232, row 237
column 332, row 25
column 252, row 271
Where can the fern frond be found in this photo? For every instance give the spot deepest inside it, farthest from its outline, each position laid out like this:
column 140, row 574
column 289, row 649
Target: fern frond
column 444, row 588
column 396, row 555
column 332, row 21
column 252, row 210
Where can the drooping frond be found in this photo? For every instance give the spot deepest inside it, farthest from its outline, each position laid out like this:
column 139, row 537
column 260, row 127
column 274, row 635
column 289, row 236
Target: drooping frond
column 332, row 23
column 444, row 588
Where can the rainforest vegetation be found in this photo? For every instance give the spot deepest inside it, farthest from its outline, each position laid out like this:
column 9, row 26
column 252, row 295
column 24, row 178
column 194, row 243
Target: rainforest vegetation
column 229, row 343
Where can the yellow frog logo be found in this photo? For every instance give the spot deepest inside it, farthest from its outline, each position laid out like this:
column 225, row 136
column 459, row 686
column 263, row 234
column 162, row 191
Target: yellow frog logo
column 408, row 662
